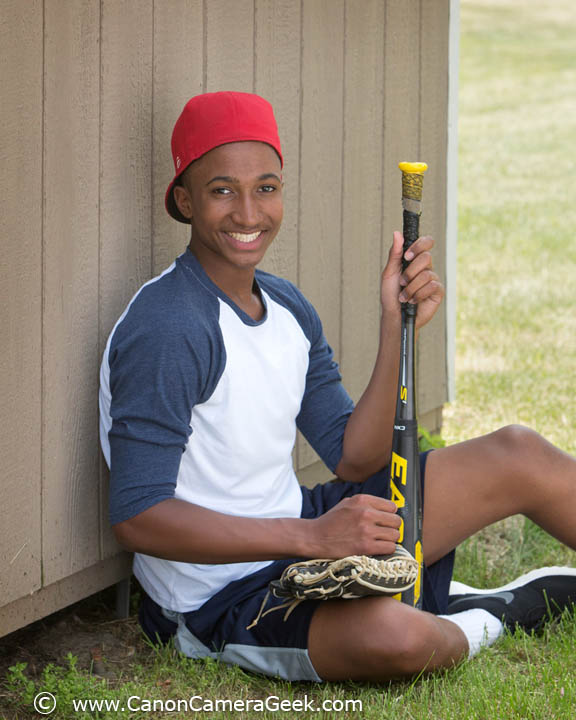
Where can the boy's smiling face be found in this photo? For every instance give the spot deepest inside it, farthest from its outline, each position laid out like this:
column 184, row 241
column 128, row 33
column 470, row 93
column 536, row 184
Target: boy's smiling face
column 233, row 197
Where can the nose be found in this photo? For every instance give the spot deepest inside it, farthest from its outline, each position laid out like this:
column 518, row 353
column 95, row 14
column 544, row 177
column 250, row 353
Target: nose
column 246, row 212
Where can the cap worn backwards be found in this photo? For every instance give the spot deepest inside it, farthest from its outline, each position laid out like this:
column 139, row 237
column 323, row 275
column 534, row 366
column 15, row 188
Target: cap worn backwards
column 214, row 119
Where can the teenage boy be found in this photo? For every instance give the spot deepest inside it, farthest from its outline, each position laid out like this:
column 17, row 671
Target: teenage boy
column 205, row 379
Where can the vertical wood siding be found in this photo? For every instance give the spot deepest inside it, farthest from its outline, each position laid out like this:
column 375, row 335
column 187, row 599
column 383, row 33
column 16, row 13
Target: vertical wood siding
column 90, row 92
column 21, row 79
column 364, row 248
column 322, row 134
column 70, row 496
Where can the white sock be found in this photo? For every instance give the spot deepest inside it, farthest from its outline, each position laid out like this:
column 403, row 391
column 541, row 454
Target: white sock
column 480, row 627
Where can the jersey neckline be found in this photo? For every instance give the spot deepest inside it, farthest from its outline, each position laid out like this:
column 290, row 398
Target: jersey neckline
column 191, row 263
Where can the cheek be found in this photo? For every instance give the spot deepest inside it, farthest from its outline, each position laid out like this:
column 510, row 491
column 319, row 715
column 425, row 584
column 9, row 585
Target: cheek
column 278, row 211
column 206, row 213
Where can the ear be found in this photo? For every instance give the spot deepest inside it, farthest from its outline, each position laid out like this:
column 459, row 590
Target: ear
column 183, row 201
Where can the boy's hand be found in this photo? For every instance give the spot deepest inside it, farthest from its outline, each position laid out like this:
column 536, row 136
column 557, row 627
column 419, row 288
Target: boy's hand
column 359, row 525
column 418, row 284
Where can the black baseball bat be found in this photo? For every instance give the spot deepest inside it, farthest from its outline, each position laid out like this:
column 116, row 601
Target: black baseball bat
column 405, row 488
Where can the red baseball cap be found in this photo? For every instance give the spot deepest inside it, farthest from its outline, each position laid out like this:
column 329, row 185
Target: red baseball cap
column 214, row 119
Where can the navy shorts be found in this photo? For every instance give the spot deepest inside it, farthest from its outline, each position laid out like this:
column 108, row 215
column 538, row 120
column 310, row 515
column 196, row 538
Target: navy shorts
column 274, row 646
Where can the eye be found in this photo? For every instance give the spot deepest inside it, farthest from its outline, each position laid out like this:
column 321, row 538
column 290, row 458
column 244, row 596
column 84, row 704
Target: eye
column 221, row 191
column 268, row 188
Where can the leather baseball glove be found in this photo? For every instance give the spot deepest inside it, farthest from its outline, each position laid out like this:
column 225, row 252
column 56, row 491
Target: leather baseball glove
column 348, row 578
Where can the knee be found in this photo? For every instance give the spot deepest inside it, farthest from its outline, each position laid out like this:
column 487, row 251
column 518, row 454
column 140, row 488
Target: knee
column 413, row 650
column 378, row 639
column 522, row 454
column 516, row 436
column 407, row 648
column 516, row 443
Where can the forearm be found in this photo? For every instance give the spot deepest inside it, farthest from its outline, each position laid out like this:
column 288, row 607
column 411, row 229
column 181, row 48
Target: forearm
column 180, row 531
column 367, row 439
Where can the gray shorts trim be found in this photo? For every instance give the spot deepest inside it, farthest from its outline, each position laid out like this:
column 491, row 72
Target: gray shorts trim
column 285, row 663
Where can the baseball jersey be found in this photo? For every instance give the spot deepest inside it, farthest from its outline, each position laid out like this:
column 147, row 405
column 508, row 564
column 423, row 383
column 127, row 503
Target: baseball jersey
column 200, row 402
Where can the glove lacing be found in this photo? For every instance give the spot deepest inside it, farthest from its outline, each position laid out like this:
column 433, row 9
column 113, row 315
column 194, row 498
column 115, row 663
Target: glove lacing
column 364, row 569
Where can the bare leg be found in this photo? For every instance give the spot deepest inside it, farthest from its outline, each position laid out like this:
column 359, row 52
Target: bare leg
column 376, row 639
column 475, row 483
column 468, row 486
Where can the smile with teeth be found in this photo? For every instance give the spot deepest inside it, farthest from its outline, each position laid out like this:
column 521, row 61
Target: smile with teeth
column 245, row 237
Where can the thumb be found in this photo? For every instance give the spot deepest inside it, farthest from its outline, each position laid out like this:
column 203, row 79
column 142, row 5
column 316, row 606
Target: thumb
column 394, row 264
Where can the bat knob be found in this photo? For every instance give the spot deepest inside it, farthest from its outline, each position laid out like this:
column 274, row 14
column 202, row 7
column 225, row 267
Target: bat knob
column 413, row 168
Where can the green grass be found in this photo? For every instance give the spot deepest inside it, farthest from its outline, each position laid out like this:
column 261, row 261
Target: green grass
column 522, row 677
column 516, row 359
column 516, row 319
column 516, row 325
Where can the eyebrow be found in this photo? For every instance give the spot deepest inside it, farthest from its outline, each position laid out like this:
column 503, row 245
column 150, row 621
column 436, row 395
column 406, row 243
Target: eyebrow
column 228, row 179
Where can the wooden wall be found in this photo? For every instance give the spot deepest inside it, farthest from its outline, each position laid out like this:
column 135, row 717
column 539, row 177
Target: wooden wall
column 90, row 92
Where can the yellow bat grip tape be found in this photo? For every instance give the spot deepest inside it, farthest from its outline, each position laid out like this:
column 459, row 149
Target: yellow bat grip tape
column 413, row 168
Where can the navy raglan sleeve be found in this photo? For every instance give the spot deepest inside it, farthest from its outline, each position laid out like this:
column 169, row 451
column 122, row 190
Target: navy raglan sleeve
column 158, row 371
column 326, row 405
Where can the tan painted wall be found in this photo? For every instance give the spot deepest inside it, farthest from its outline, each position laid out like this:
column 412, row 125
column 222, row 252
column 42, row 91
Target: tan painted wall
column 90, row 91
